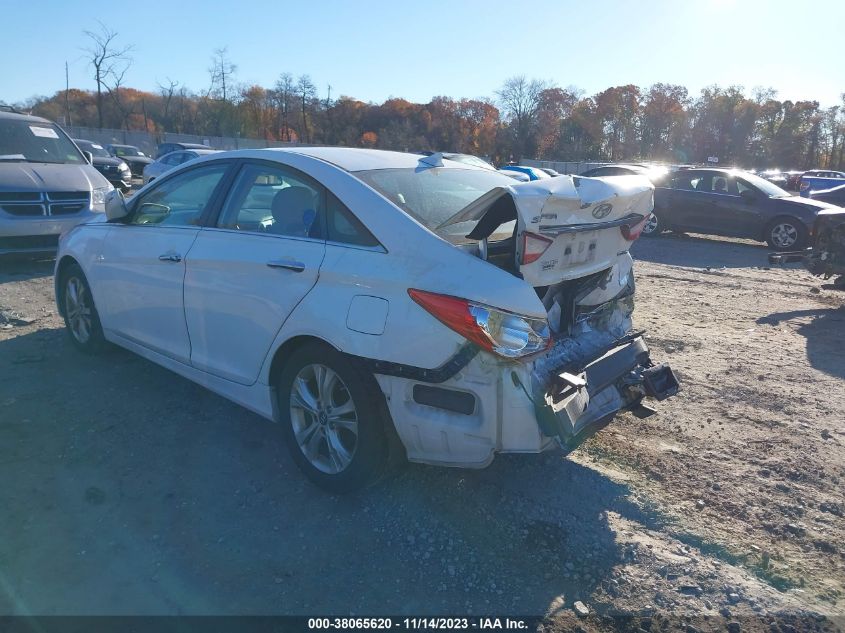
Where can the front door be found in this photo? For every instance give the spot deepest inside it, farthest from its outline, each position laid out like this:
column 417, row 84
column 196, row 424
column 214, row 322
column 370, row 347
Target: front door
column 141, row 269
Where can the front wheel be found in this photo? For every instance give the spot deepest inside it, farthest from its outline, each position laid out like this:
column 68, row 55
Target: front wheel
column 785, row 234
column 332, row 419
column 79, row 312
column 653, row 226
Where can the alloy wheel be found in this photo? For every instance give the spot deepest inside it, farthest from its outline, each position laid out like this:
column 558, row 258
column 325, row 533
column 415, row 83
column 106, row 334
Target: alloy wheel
column 784, row 234
column 324, row 418
column 78, row 309
column 650, row 225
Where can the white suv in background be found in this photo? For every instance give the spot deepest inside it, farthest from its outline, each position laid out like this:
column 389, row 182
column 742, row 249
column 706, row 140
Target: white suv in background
column 47, row 186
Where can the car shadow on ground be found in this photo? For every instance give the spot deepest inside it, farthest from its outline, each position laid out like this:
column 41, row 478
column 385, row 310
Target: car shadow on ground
column 700, row 251
column 16, row 268
column 132, row 490
column 823, row 332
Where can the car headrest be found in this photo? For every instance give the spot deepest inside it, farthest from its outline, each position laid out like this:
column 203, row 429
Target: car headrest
column 293, row 211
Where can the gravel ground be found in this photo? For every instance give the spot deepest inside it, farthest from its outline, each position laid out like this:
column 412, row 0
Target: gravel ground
column 129, row 490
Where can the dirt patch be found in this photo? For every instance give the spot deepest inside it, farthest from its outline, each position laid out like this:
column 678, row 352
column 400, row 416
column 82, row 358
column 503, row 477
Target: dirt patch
column 135, row 491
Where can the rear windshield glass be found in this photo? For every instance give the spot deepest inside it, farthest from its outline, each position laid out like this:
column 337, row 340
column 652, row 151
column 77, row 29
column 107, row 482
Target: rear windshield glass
column 36, row 142
column 432, row 195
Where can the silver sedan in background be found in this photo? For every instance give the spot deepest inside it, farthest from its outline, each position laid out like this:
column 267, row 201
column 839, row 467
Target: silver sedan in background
column 169, row 161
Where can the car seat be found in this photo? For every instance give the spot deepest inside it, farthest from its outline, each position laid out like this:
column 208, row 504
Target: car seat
column 293, row 212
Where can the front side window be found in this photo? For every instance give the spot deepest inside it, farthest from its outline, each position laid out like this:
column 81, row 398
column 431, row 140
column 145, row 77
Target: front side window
column 275, row 200
column 179, row 201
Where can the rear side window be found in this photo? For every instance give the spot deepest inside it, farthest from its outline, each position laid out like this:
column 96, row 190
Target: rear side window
column 343, row 227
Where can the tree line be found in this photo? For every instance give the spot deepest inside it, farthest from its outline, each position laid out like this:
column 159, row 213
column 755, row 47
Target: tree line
column 525, row 118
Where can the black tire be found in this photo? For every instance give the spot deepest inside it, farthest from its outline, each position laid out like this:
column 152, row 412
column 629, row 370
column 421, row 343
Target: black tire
column 369, row 455
column 655, row 226
column 786, row 234
column 80, row 314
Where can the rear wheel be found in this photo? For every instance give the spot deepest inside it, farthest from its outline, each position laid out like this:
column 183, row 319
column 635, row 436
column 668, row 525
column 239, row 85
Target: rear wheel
column 332, row 418
column 653, row 226
column 785, row 234
column 80, row 313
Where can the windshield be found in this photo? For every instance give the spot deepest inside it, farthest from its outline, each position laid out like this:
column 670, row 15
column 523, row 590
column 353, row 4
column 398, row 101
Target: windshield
column 94, row 148
column 433, row 195
column 768, row 188
column 126, row 150
column 36, row 142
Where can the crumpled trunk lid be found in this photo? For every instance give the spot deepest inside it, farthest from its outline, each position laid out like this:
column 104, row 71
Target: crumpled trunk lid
column 582, row 218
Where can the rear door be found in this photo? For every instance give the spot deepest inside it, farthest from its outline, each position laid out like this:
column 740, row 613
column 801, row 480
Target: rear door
column 688, row 202
column 247, row 272
column 141, row 269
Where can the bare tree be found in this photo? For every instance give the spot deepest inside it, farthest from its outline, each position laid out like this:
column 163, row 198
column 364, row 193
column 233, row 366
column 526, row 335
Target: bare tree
column 307, row 92
column 109, row 61
column 167, row 96
column 221, row 72
column 520, row 99
column 114, row 93
column 284, row 92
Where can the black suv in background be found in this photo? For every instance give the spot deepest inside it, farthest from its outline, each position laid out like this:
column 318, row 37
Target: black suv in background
column 114, row 169
column 132, row 156
column 733, row 204
column 166, row 148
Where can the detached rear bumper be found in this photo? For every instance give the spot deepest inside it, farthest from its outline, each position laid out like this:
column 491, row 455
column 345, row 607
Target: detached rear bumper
column 818, row 262
column 577, row 403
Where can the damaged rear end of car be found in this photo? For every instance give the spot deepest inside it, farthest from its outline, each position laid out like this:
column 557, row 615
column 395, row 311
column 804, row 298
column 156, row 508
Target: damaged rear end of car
column 559, row 379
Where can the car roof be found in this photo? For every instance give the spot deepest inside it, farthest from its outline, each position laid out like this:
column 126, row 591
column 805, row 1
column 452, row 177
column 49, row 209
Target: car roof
column 23, row 117
column 359, row 159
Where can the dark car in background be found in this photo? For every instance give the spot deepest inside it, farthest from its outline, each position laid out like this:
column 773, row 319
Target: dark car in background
column 733, row 204
column 114, row 169
column 167, row 148
column 835, row 195
column 132, row 156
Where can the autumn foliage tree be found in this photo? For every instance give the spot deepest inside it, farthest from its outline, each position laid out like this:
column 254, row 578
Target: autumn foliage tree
column 527, row 118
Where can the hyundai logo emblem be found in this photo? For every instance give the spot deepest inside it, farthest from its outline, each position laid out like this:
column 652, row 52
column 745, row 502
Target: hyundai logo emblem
column 602, row 211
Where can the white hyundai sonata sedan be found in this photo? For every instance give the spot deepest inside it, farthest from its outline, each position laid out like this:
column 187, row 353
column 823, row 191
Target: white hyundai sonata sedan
column 375, row 303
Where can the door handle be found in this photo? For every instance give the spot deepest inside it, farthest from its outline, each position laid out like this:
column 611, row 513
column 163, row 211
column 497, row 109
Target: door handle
column 170, row 257
column 288, row 264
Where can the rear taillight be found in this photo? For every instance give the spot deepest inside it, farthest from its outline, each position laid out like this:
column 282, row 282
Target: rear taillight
column 632, row 231
column 503, row 333
column 533, row 247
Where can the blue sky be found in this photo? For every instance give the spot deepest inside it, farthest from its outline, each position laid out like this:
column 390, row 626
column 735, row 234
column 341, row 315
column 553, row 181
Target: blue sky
column 374, row 49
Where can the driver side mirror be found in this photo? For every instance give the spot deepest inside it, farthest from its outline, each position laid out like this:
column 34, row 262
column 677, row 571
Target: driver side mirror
column 89, row 157
column 115, row 205
column 748, row 195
